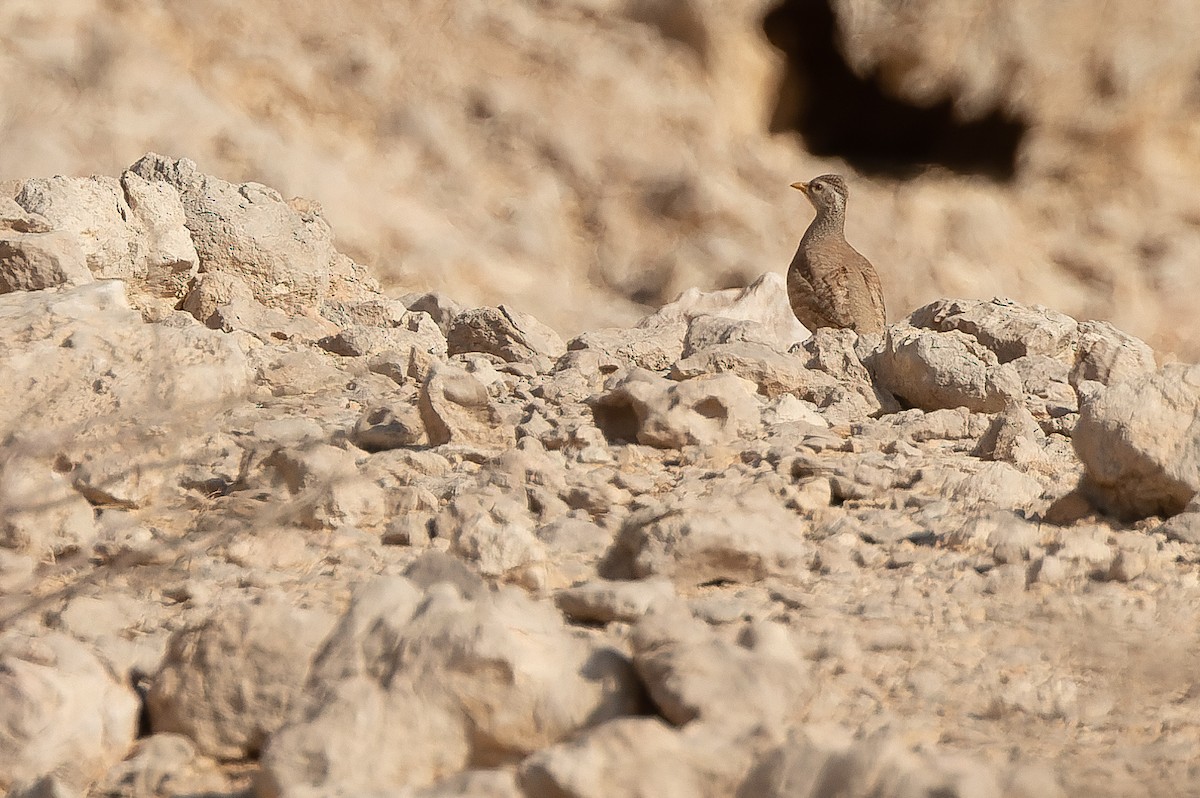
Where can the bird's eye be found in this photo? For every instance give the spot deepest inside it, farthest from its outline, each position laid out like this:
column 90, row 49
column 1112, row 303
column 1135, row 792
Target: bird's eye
column 819, row 187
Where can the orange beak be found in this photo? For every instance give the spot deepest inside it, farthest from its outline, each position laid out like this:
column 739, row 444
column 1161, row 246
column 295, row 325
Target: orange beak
column 801, row 187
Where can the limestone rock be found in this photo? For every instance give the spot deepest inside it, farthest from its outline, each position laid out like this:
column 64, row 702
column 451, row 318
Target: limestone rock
column 33, row 261
column 507, row 333
column 492, row 530
column 229, row 682
column 413, row 331
column 455, row 408
column 282, row 251
column 738, row 538
column 40, row 512
column 1140, row 442
column 647, row 409
column 633, row 758
column 986, row 355
column 1107, row 355
column 441, row 682
column 608, row 601
column 128, row 229
column 390, row 426
column 813, row 762
column 61, row 712
column 84, row 355
column 653, row 347
column 693, row 674
column 763, row 302
column 936, row 370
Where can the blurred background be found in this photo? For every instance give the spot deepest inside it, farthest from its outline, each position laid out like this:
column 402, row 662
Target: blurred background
column 586, row 160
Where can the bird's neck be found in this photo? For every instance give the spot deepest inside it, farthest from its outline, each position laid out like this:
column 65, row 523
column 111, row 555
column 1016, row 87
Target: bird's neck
column 826, row 223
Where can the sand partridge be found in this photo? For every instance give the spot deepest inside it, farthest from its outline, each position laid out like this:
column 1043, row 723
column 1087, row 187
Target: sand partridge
column 829, row 283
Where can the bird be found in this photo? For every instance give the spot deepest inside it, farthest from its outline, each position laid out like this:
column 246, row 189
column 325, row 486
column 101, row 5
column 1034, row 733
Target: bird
column 829, row 283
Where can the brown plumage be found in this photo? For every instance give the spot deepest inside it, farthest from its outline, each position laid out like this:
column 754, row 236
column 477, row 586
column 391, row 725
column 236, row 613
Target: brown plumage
column 829, row 283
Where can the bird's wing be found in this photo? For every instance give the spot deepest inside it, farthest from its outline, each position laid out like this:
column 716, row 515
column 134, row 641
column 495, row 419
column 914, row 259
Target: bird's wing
column 874, row 289
column 830, row 279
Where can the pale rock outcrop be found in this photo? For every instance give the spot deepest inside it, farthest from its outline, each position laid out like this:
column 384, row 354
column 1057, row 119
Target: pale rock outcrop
column 741, row 537
column 758, row 682
column 33, row 261
column 763, row 303
column 636, row 758
column 62, row 712
column 128, row 229
column 399, row 338
column 455, row 408
column 84, row 355
column 282, row 250
column 40, row 512
column 606, row 601
column 1140, row 442
column 936, row 370
column 650, row 346
column 509, row 334
column 411, row 686
column 230, row 681
column 325, row 486
column 647, row 409
column 493, row 530
column 988, row 355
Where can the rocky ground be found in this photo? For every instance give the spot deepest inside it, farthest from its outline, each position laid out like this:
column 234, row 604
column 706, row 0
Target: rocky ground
column 268, row 532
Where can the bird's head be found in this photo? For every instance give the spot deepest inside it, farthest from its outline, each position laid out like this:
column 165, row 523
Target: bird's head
column 826, row 193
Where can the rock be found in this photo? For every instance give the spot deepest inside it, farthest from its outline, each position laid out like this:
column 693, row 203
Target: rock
column 229, row 682
column 1139, row 441
column 163, row 763
column 632, row 758
column 936, row 370
column 33, row 261
column 1008, row 329
column 386, row 427
column 40, row 512
column 653, row 347
column 283, row 251
column 693, row 674
column 1107, row 355
column 813, row 762
column 986, row 344
column 128, row 229
column 455, row 408
column 741, row 537
column 705, row 331
column 325, row 486
column 84, row 355
column 763, row 302
column 506, row 333
column 652, row 411
column 778, row 375
column 492, row 530
column 441, row 308
column 606, row 601
column 491, row 680
column 18, row 220
column 61, row 712
column 413, row 331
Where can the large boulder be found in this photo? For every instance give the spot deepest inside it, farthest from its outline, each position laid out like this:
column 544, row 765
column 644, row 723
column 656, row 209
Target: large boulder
column 283, row 250
column 229, row 682
column 1140, row 442
column 62, row 712
column 127, row 228
column 412, row 685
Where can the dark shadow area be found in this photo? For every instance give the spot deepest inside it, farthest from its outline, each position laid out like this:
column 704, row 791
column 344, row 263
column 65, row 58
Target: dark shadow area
column 837, row 113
